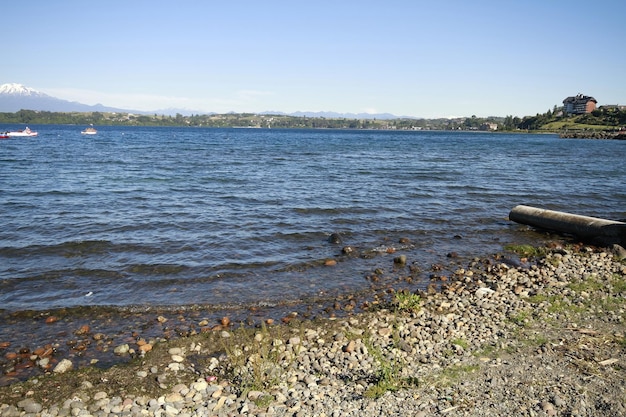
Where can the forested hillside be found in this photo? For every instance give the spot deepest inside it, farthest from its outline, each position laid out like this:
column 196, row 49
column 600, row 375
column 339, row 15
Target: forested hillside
column 602, row 119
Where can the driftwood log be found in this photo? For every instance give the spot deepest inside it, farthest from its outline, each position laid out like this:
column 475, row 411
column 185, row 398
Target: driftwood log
column 593, row 229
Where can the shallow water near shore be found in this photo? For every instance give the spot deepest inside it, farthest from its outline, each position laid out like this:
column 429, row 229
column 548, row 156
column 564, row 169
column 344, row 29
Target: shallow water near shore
column 237, row 221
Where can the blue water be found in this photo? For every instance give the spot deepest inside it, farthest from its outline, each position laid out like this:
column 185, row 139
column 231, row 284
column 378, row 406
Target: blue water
column 222, row 217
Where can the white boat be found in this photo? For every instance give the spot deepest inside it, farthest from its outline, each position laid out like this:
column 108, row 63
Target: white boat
column 89, row 131
column 18, row 133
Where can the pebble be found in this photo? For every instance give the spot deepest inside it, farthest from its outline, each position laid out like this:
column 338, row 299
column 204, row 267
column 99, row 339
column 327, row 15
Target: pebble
column 63, row 366
column 30, row 406
column 558, row 401
column 329, row 371
column 400, row 260
column 177, row 358
column 100, row 395
column 121, row 349
column 349, row 348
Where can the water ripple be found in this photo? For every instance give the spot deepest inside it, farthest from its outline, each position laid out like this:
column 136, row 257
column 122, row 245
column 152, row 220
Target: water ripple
column 175, row 216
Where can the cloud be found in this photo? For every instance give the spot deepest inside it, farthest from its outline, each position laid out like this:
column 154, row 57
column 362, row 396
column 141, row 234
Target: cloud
column 241, row 100
column 370, row 110
column 252, row 95
column 134, row 101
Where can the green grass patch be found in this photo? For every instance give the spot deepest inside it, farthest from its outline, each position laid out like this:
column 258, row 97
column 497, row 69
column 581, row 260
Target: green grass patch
column 257, row 357
column 379, row 389
column 520, row 319
column 561, row 307
column 384, row 385
column 619, row 284
column 389, row 375
column 611, row 303
column 586, row 285
column 406, row 301
column 527, row 251
column 556, row 304
column 454, row 373
column 538, row 299
column 572, row 125
column 488, row 351
column 264, row 401
column 460, row 342
column 538, row 340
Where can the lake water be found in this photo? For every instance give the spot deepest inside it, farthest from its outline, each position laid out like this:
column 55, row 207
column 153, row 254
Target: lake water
column 183, row 216
column 111, row 231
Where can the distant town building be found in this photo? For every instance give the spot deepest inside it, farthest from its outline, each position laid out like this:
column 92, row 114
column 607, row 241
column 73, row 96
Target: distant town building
column 489, row 126
column 579, row 104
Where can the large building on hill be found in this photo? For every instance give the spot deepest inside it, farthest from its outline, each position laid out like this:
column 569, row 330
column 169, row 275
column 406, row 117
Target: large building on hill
column 579, row 104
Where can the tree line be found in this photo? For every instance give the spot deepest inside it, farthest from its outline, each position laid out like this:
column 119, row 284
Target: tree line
column 241, row 120
column 551, row 120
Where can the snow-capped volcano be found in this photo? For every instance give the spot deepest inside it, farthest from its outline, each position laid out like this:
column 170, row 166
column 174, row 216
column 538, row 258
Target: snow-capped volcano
column 15, row 97
column 15, row 89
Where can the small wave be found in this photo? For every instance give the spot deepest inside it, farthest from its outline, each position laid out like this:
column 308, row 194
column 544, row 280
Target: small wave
column 156, row 269
column 67, row 249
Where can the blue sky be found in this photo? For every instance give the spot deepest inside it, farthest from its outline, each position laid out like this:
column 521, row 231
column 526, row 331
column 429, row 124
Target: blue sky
column 414, row 58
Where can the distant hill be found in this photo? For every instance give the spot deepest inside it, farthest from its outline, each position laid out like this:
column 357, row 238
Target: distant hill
column 334, row 115
column 15, row 97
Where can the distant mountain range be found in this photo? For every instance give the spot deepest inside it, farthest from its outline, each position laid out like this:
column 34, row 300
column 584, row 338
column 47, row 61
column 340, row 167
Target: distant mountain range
column 15, row 97
column 333, row 115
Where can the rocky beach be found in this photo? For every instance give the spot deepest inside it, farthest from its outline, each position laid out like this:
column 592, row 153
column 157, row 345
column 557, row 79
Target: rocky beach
column 587, row 134
column 545, row 337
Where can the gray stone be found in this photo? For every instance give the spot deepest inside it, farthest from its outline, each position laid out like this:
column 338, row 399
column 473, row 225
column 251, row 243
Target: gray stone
column 63, row 366
column 30, row 406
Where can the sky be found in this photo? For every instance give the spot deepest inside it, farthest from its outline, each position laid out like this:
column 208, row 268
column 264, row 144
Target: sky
column 414, row 58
